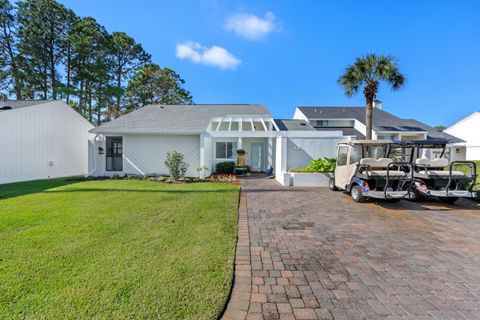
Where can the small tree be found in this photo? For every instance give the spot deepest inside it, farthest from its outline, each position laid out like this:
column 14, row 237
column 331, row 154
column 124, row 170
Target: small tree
column 368, row 72
column 175, row 164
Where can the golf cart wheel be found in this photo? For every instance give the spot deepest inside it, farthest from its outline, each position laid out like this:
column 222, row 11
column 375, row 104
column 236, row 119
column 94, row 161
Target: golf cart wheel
column 331, row 184
column 357, row 194
column 449, row 200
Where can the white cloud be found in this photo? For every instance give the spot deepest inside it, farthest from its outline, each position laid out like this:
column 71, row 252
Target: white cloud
column 214, row 56
column 250, row 26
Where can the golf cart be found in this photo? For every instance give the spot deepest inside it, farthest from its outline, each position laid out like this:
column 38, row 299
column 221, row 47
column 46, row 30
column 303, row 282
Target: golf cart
column 364, row 170
column 434, row 175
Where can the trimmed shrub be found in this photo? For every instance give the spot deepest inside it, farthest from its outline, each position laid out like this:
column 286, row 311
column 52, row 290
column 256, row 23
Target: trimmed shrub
column 225, row 167
column 175, row 164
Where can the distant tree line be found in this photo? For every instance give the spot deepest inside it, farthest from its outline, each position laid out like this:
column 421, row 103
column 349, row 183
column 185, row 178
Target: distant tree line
column 48, row 52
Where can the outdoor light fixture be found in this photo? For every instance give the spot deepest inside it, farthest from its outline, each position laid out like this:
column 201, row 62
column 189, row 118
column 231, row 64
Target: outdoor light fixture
column 100, row 150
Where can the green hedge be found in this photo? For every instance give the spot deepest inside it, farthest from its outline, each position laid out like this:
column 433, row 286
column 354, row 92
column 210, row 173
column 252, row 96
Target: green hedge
column 225, row 167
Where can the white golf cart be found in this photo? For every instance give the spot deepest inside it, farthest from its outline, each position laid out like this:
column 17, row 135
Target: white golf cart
column 364, row 170
column 434, row 175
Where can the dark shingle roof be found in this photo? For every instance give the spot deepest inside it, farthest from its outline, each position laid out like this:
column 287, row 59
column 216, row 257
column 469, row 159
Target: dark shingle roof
column 434, row 134
column 178, row 118
column 382, row 120
column 346, row 131
column 17, row 104
column 293, row 125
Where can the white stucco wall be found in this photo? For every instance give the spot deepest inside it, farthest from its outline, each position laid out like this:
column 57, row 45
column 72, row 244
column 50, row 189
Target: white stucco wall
column 473, row 153
column 468, row 129
column 458, row 153
column 300, row 151
column 144, row 154
column 209, row 155
column 43, row 141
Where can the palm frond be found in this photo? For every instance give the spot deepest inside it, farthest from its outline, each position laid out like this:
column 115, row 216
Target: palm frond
column 371, row 69
column 350, row 80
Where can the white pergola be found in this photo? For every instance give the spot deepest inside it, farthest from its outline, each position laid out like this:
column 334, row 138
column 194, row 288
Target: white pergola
column 240, row 127
column 241, row 124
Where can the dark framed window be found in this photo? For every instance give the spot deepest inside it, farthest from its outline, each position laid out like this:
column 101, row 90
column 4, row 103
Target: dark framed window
column 114, row 154
column 225, row 150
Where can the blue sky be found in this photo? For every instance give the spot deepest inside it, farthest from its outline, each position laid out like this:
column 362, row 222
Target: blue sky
column 289, row 53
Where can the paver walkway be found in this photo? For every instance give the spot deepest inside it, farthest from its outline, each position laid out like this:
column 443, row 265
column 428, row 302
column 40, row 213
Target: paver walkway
column 315, row 254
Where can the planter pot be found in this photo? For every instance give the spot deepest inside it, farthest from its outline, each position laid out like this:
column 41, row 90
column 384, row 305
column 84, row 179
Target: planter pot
column 240, row 160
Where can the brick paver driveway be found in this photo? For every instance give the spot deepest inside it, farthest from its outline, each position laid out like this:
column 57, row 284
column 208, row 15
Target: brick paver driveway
column 314, row 253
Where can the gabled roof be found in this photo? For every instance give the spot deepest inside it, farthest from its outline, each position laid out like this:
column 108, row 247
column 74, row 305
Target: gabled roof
column 434, row 134
column 178, row 118
column 459, row 122
column 293, row 125
column 382, row 120
column 6, row 105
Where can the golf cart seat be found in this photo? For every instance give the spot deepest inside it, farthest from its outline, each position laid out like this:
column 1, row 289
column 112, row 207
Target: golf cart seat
column 437, row 165
column 378, row 168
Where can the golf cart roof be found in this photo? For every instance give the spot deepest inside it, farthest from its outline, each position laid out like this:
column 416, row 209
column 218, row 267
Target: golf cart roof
column 421, row 143
column 366, row 142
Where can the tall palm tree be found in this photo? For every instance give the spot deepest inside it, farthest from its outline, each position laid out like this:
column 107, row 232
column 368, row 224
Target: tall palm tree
column 367, row 72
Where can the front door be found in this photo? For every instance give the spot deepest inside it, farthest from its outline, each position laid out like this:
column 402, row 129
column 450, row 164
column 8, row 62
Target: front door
column 257, row 152
column 114, row 156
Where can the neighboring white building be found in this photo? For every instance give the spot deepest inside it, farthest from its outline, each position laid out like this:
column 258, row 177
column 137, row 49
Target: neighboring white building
column 137, row 143
column 41, row 140
column 467, row 129
column 351, row 121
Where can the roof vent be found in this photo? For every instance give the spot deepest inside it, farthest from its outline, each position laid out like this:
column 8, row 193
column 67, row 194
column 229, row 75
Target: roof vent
column 6, row 108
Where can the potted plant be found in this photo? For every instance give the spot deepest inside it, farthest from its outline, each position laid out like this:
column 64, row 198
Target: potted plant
column 241, row 157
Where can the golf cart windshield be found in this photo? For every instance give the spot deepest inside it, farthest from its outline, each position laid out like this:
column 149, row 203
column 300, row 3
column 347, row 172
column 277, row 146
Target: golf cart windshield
column 431, row 153
column 365, row 151
column 375, row 152
column 408, row 151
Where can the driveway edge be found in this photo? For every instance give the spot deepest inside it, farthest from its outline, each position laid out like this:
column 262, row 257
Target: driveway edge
column 239, row 302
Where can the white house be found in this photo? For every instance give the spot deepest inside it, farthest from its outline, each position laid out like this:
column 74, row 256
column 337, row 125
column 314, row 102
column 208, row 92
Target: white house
column 40, row 140
column 467, row 129
column 351, row 121
column 137, row 143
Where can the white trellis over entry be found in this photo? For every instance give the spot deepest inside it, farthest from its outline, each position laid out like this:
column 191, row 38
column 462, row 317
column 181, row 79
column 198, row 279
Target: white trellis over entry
column 240, row 130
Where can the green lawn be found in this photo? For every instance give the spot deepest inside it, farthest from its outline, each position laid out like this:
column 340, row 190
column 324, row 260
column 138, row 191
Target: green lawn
column 466, row 170
column 121, row 249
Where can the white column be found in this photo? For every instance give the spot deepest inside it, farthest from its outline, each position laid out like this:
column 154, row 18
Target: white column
column 281, row 160
column 270, row 153
column 239, row 143
column 92, row 170
column 202, row 150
